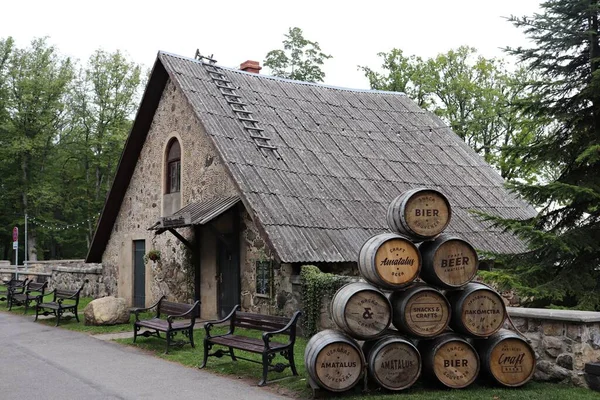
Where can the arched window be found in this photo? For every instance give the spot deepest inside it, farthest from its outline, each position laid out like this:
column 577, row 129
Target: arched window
column 174, row 167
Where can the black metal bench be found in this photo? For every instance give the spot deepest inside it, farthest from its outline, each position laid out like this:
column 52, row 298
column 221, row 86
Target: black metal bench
column 7, row 288
column 178, row 317
column 26, row 295
column 269, row 325
column 62, row 300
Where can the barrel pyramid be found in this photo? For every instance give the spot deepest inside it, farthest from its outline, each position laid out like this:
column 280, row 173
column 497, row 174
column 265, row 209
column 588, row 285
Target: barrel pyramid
column 419, row 311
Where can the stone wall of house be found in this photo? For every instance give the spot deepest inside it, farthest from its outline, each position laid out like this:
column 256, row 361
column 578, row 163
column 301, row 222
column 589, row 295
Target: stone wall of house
column 203, row 177
column 70, row 274
column 564, row 341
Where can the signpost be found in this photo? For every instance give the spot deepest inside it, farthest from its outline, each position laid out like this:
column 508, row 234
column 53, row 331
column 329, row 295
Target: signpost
column 16, row 248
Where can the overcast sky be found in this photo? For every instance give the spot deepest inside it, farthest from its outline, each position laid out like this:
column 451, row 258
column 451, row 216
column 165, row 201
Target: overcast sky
column 235, row 31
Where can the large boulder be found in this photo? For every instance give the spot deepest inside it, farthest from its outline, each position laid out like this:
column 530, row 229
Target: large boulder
column 106, row 311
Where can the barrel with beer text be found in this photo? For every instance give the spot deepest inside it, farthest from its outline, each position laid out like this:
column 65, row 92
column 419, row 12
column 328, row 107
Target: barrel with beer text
column 448, row 262
column 420, row 214
column 389, row 261
column 333, row 360
column 507, row 358
column 477, row 310
column 361, row 310
column 420, row 311
column 450, row 360
column 392, row 361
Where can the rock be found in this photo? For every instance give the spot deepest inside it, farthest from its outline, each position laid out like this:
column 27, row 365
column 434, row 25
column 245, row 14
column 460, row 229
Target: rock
column 550, row 372
column 565, row 360
column 552, row 345
column 553, row 328
column 106, row 311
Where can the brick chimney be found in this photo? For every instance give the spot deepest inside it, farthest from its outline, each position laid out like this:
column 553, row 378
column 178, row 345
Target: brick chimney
column 251, row 66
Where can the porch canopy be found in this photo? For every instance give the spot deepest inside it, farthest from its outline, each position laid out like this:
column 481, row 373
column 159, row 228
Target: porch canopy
column 196, row 213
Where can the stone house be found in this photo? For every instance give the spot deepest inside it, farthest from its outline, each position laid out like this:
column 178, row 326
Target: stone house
column 238, row 179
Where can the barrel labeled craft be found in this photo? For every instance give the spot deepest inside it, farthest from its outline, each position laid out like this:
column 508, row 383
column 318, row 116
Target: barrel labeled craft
column 361, row 310
column 420, row 311
column 477, row 310
column 333, row 360
column 389, row 261
column 421, row 214
column 449, row 359
column 393, row 362
column 507, row 358
column 448, row 262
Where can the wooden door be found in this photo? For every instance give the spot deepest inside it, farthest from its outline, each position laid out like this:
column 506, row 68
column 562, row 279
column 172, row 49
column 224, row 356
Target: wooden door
column 139, row 273
column 228, row 262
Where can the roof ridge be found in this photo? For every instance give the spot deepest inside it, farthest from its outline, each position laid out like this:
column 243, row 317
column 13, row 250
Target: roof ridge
column 276, row 78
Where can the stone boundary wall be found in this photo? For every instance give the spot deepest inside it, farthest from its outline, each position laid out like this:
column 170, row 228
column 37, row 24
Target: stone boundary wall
column 69, row 274
column 564, row 341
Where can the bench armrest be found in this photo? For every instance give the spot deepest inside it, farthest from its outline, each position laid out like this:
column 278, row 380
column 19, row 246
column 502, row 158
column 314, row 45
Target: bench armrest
column 138, row 310
column 291, row 326
column 173, row 316
column 208, row 325
column 39, row 299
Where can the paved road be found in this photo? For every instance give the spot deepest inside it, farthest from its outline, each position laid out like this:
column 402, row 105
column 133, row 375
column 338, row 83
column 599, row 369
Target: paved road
column 45, row 363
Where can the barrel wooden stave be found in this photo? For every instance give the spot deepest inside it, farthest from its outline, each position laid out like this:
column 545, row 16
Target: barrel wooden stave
column 450, row 359
column 421, row 214
column 333, row 360
column 507, row 358
column 361, row 310
column 477, row 310
column 393, row 361
column 448, row 262
column 389, row 261
column 420, row 310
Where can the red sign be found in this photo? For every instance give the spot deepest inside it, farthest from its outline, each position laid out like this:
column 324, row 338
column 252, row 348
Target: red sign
column 15, row 234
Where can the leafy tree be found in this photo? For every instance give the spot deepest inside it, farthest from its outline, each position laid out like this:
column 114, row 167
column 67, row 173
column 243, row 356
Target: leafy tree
column 300, row 59
column 472, row 95
column 563, row 263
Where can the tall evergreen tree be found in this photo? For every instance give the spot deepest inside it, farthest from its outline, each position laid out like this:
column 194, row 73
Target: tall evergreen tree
column 563, row 264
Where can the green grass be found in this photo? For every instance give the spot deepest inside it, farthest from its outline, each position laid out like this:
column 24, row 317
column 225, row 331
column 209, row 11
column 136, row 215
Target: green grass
column 69, row 322
column 297, row 386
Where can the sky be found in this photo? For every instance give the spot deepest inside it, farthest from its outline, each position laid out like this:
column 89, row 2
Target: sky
column 233, row 31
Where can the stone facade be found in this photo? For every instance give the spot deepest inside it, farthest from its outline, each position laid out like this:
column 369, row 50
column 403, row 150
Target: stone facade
column 564, row 341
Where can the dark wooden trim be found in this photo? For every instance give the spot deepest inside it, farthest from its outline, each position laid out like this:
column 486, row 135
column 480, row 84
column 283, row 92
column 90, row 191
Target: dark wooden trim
column 182, row 239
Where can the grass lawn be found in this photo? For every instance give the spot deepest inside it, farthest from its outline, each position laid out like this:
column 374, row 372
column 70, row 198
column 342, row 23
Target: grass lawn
column 297, row 386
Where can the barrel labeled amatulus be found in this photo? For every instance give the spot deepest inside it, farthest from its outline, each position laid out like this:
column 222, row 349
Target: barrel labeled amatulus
column 333, row 360
column 393, row 361
column 361, row 310
column 421, row 214
column 450, row 359
column 420, row 311
column 507, row 358
column 389, row 261
column 448, row 262
column 477, row 310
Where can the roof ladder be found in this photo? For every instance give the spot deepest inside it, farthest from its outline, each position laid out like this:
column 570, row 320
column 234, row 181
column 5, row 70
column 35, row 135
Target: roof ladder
column 241, row 110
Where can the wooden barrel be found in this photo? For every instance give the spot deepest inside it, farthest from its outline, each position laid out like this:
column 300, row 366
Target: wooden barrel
column 389, row 261
column 449, row 359
column 507, row 358
column 420, row 311
column 477, row 310
column 393, row 362
column 420, row 214
column 448, row 262
column 361, row 310
column 333, row 360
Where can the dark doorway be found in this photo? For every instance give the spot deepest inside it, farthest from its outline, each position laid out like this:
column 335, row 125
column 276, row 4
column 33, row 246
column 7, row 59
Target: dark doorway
column 228, row 263
column 139, row 273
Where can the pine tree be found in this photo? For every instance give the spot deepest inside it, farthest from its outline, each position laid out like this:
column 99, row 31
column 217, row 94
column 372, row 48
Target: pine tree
column 563, row 264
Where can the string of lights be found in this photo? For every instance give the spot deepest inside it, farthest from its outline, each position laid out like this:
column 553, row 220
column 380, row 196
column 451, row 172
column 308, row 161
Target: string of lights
column 58, row 227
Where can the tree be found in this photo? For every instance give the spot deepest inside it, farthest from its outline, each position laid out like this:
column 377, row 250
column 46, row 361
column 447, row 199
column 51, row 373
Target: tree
column 472, row 95
column 300, row 59
column 563, row 263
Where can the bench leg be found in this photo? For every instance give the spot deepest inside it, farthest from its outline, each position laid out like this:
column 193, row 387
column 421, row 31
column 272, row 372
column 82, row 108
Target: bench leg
column 135, row 331
column 168, row 342
column 191, row 336
column 57, row 313
column 206, row 349
column 232, row 354
column 37, row 311
column 290, row 354
column 265, row 362
column 76, row 314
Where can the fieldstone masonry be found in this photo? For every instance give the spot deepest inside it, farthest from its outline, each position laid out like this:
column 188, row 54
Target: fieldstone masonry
column 564, row 341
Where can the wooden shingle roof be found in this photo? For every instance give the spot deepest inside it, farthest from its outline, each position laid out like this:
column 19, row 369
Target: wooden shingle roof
column 340, row 157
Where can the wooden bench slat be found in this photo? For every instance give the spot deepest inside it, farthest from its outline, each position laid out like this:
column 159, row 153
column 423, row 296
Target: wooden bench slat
column 163, row 325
